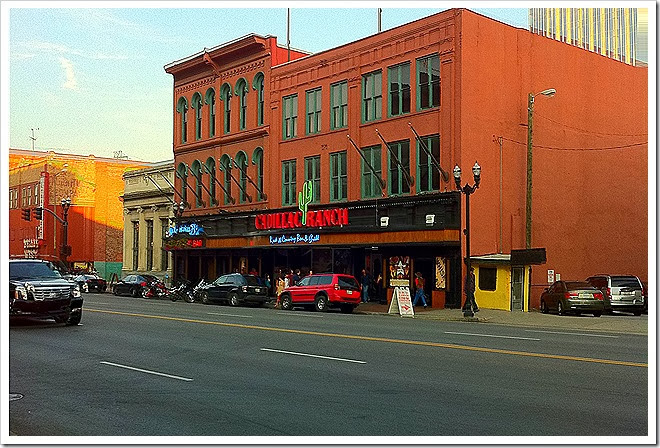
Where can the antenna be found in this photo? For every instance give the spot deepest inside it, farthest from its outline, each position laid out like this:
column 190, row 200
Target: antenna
column 33, row 138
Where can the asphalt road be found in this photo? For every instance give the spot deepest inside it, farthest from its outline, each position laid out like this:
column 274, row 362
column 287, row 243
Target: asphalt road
column 139, row 367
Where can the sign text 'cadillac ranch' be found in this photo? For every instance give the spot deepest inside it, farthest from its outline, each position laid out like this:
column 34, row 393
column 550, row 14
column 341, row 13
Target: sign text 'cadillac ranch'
column 291, row 220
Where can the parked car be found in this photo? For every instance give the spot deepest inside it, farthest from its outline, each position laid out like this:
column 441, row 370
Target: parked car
column 323, row 291
column 624, row 292
column 132, row 284
column 236, row 289
column 645, row 293
column 572, row 296
column 37, row 290
column 91, row 283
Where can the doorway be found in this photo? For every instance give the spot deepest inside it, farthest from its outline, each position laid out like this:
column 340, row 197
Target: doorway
column 517, row 276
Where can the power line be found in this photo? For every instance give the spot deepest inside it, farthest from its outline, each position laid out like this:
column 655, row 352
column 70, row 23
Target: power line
column 555, row 148
column 588, row 132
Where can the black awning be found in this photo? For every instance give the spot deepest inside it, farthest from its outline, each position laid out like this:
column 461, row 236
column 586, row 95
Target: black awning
column 521, row 257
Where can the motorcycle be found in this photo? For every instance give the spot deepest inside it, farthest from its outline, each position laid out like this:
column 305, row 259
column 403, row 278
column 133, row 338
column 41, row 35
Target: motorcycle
column 198, row 289
column 182, row 291
column 154, row 290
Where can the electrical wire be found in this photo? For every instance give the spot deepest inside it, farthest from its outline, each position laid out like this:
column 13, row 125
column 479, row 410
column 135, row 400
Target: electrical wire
column 555, row 148
column 588, row 132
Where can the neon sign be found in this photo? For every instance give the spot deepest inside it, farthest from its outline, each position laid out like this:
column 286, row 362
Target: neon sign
column 335, row 217
column 295, row 239
column 192, row 229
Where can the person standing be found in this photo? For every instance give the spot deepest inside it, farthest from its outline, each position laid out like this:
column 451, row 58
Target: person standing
column 366, row 282
column 280, row 285
column 470, row 288
column 419, row 289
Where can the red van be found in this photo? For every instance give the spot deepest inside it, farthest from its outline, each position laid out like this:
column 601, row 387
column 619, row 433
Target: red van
column 323, row 291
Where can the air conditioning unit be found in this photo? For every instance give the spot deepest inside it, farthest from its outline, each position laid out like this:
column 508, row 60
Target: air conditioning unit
column 384, row 221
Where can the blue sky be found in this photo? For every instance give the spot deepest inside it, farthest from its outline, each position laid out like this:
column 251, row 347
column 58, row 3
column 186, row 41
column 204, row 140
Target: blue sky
column 92, row 80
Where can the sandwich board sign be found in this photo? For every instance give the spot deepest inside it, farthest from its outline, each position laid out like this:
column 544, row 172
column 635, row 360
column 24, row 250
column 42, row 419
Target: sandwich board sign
column 401, row 300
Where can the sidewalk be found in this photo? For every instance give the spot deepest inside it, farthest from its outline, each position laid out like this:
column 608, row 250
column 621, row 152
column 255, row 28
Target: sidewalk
column 617, row 323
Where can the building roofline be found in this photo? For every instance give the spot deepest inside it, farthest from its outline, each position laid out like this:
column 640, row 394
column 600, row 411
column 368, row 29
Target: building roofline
column 60, row 155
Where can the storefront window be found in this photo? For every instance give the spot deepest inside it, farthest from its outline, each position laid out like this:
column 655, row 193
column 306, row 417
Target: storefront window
column 488, row 279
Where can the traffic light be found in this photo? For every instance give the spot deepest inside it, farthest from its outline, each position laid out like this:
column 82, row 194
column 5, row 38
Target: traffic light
column 38, row 213
column 26, row 214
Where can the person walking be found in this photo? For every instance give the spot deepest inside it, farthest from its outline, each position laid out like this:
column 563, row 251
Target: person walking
column 419, row 289
column 470, row 288
column 280, row 285
column 366, row 281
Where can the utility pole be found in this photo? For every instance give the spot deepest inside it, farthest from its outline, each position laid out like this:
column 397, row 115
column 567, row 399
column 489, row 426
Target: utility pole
column 33, row 138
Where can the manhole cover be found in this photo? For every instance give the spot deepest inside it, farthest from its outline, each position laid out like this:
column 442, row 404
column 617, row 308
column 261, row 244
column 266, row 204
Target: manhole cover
column 14, row 397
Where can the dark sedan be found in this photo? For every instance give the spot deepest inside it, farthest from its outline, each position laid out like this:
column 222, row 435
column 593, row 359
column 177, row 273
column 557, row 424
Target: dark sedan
column 132, row 285
column 91, row 283
column 236, row 289
column 574, row 297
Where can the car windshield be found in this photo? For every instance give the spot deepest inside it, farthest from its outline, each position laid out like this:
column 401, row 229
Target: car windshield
column 347, row 282
column 625, row 282
column 253, row 280
column 578, row 285
column 18, row 271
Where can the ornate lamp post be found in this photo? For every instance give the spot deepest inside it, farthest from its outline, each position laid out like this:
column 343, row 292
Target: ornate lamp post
column 66, row 249
column 178, row 208
column 467, row 190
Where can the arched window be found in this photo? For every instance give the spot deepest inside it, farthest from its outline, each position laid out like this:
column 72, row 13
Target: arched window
column 196, row 169
column 210, row 100
column 209, row 168
column 241, row 92
column 242, row 164
column 182, row 173
column 225, row 95
column 197, row 105
column 258, row 85
column 225, row 166
column 182, row 109
column 258, row 160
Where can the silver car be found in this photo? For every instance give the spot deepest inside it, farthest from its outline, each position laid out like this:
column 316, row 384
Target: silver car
column 625, row 292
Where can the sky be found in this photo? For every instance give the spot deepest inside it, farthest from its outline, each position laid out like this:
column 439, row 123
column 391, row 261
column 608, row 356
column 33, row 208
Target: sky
column 91, row 80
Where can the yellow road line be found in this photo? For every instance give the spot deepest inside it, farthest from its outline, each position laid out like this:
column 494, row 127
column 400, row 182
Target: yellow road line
column 377, row 339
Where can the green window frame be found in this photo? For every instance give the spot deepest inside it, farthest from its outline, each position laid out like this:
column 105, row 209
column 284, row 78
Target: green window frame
column 313, row 101
column 338, row 177
column 289, row 116
column 258, row 160
column 339, row 105
column 313, row 173
column 288, row 182
column 258, row 85
column 398, row 78
column 197, row 105
column 241, row 162
column 196, row 170
column 225, row 166
column 370, row 187
column 210, row 100
column 428, row 176
column 182, row 109
column 225, row 94
column 396, row 180
column 209, row 168
column 428, row 82
column 242, row 92
column 372, row 96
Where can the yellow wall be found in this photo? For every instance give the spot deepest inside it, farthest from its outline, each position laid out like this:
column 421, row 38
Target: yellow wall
column 500, row 299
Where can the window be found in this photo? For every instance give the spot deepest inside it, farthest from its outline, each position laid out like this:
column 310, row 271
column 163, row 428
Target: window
column 28, row 194
column 289, row 116
column 313, row 98
column 242, row 91
column 372, row 97
column 398, row 78
column 164, row 255
column 339, row 105
column 197, row 105
column 182, row 109
column 196, row 169
column 225, row 166
column 428, row 176
column 150, row 245
column 136, row 243
column 258, row 160
column 210, row 100
column 428, row 82
column 242, row 165
column 36, row 194
column 397, row 181
column 370, row 185
column 288, row 182
column 182, row 173
column 313, row 173
column 23, row 198
column 209, row 168
column 11, row 199
column 338, row 176
column 487, row 279
column 258, row 85
column 225, row 95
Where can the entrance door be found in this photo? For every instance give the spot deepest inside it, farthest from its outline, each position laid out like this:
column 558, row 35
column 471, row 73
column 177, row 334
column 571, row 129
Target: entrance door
column 517, row 276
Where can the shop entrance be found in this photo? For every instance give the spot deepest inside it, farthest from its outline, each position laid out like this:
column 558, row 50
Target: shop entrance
column 425, row 266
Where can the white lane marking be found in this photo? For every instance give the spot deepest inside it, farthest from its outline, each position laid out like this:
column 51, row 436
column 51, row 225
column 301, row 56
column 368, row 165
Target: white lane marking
column 230, row 315
column 574, row 334
column 146, row 371
column 300, row 315
column 492, row 336
column 313, row 356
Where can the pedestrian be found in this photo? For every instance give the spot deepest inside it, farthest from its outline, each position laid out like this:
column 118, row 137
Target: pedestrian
column 288, row 279
column 366, row 282
column 470, row 288
column 281, row 284
column 419, row 289
column 267, row 283
column 296, row 277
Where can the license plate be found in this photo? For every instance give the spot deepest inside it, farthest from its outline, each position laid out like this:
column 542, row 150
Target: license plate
column 585, row 295
column 627, row 293
column 349, row 292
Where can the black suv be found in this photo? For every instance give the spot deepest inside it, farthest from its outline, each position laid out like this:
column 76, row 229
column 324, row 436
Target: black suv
column 235, row 289
column 38, row 290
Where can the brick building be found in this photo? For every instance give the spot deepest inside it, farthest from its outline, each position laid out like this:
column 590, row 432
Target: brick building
column 343, row 160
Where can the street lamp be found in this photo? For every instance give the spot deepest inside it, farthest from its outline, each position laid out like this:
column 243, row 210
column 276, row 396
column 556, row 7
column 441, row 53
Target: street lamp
column 467, row 190
column 178, row 208
column 66, row 204
column 528, row 206
column 63, row 170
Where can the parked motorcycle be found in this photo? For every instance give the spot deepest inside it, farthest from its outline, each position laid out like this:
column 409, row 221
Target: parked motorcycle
column 198, row 289
column 181, row 291
column 154, row 290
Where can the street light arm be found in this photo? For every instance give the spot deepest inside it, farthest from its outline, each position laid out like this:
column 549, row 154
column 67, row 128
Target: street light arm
column 53, row 213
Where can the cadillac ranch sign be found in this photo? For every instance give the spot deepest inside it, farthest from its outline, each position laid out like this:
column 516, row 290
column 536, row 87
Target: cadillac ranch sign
column 335, row 217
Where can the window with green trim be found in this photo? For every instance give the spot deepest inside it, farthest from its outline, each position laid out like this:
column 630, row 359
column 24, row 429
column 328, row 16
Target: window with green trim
column 372, row 96
column 339, row 105
column 242, row 91
column 197, row 105
column 428, row 176
column 209, row 168
column 225, row 166
column 313, row 173
column 289, row 116
column 210, row 100
column 241, row 161
column 370, row 185
column 396, row 182
column 182, row 109
column 196, row 169
column 258, row 160
column 313, row 100
column 289, row 182
column 225, row 94
column 428, row 82
column 398, row 78
column 338, row 176
column 259, row 86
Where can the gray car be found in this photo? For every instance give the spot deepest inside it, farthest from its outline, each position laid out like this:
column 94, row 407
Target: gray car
column 624, row 292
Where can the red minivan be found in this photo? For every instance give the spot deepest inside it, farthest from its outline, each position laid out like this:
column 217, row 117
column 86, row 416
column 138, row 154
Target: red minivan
column 323, row 291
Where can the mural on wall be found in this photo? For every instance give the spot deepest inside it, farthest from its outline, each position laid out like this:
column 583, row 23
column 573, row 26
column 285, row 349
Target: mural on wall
column 399, row 271
column 440, row 273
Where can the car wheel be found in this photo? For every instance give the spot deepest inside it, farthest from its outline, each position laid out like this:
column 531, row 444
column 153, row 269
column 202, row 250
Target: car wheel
column 321, row 303
column 544, row 307
column 346, row 309
column 597, row 314
column 285, row 302
column 233, row 299
column 114, row 291
column 74, row 319
column 205, row 298
column 560, row 308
